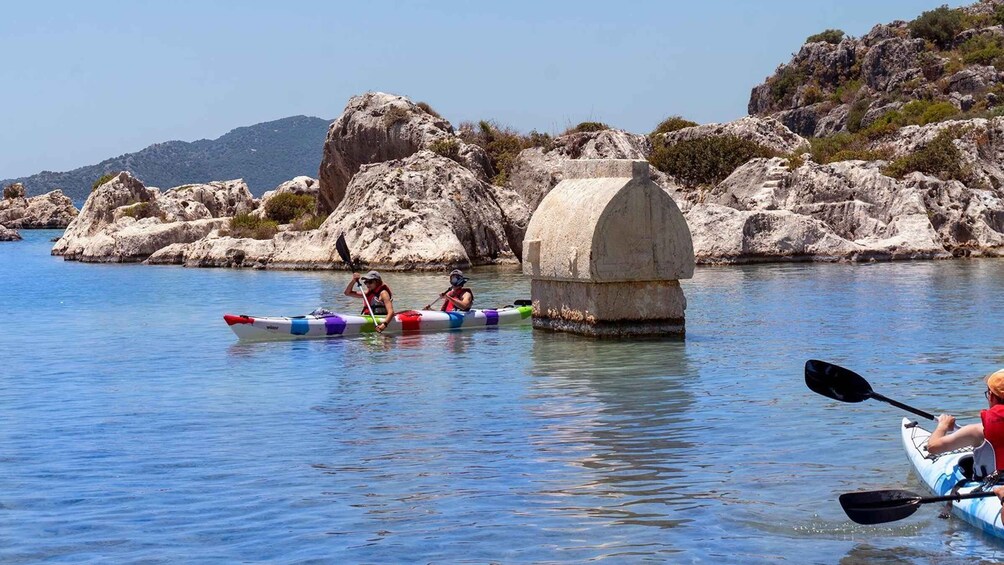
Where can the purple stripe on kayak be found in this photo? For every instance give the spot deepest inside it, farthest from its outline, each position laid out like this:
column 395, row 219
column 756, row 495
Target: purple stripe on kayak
column 493, row 317
column 334, row 325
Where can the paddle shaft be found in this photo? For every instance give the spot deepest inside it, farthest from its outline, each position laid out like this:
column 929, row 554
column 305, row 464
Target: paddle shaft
column 956, row 497
column 906, row 407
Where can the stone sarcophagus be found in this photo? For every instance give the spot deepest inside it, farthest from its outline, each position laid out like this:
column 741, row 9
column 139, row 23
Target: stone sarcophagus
column 606, row 250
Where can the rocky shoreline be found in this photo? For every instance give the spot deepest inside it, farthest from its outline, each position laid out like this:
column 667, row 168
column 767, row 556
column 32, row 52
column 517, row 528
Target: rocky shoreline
column 428, row 211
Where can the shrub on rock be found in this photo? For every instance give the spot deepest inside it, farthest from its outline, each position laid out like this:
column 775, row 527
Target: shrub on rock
column 102, row 180
column 706, row 160
column 246, row 225
column 940, row 158
column 939, row 26
column 672, row 123
column 286, row 207
column 833, row 36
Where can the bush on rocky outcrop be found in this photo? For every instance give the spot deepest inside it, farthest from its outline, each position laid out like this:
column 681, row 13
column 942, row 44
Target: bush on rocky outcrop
column 102, row 180
column 785, row 83
column 15, row 190
column 983, row 49
column 845, row 147
column 672, row 123
column 141, row 210
column 246, row 225
column 502, row 144
column 833, row 36
column 447, row 147
column 286, row 207
column 940, row 158
column 706, row 160
column 939, row 26
column 428, row 109
column 587, row 127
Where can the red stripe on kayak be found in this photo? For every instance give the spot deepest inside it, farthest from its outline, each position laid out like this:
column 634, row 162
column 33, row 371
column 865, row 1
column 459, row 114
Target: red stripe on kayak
column 231, row 319
column 410, row 320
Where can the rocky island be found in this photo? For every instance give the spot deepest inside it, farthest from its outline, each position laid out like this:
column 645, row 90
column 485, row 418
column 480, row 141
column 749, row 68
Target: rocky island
column 883, row 147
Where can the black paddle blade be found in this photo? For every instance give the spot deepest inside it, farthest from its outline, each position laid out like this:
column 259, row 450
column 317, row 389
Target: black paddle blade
column 343, row 251
column 879, row 506
column 836, row 382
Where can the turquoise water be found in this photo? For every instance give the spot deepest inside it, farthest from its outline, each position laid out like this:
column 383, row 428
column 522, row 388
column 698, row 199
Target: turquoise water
column 134, row 427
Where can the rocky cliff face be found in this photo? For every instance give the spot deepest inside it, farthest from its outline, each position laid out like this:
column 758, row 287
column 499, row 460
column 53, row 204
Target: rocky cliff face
column 377, row 127
column 947, row 56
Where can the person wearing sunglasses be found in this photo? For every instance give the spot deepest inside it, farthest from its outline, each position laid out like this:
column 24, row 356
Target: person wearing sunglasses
column 377, row 295
column 986, row 438
column 458, row 297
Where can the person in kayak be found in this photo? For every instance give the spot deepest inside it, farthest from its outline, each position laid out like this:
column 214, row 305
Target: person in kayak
column 986, row 438
column 458, row 297
column 377, row 295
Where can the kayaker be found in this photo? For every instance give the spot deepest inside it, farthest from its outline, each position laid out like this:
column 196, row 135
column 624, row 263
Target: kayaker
column 987, row 437
column 378, row 295
column 458, row 297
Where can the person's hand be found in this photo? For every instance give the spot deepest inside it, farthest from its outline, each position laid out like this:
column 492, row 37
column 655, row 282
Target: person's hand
column 355, row 277
column 427, row 307
column 381, row 327
column 442, row 295
column 946, row 421
column 999, row 491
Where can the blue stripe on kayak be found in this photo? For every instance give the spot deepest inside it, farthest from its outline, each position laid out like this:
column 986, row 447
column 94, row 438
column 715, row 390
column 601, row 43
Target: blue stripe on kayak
column 456, row 319
column 493, row 318
column 299, row 327
column 334, row 325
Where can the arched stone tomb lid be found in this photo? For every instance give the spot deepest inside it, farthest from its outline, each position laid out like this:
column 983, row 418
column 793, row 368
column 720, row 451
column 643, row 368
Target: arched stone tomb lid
column 607, row 221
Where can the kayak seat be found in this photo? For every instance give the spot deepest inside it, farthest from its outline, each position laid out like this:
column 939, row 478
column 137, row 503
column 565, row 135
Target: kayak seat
column 966, row 466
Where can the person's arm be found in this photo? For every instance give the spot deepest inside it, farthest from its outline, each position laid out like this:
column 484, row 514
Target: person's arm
column 351, row 289
column 389, row 303
column 943, row 439
column 465, row 301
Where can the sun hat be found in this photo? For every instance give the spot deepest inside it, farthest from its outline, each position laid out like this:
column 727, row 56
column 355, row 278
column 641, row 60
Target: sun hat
column 372, row 275
column 995, row 382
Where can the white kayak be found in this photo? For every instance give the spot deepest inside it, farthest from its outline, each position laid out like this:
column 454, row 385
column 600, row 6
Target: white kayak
column 942, row 473
column 338, row 325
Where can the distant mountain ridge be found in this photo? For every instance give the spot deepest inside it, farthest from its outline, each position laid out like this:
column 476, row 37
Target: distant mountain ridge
column 264, row 155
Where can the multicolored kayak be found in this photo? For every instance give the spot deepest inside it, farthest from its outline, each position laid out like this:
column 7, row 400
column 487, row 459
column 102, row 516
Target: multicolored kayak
column 942, row 473
column 337, row 325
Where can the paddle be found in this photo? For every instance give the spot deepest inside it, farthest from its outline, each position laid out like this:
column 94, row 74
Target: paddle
column 438, row 298
column 838, row 383
column 881, row 506
column 343, row 251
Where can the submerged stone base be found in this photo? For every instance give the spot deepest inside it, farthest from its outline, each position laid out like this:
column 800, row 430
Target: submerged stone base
column 614, row 329
column 609, row 309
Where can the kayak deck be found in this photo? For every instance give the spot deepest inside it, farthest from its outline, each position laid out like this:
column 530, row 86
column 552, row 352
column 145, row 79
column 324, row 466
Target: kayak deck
column 940, row 473
column 340, row 325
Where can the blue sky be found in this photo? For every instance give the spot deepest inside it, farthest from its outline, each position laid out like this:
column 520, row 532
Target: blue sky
column 84, row 81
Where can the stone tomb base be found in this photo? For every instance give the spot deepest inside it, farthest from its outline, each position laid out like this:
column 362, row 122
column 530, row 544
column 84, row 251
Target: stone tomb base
column 609, row 309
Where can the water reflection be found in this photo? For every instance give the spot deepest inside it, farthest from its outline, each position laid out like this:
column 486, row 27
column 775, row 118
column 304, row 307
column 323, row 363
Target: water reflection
column 620, row 412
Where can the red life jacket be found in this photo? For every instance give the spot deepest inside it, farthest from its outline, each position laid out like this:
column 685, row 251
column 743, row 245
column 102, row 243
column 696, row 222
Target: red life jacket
column 457, row 294
column 373, row 298
column 993, row 431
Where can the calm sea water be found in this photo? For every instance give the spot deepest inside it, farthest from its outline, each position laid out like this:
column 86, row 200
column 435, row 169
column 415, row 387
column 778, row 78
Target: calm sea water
column 134, row 427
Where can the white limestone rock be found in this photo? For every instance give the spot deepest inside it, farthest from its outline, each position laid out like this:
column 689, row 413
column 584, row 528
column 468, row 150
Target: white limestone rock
column 53, row 210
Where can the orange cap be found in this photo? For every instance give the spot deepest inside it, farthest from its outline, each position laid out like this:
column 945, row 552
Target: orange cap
column 995, row 382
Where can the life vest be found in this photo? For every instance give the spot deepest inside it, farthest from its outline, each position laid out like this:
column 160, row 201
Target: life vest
column 457, row 294
column 373, row 298
column 993, row 434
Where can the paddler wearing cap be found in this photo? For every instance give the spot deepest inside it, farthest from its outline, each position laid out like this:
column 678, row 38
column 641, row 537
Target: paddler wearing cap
column 458, row 297
column 378, row 296
column 986, row 437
